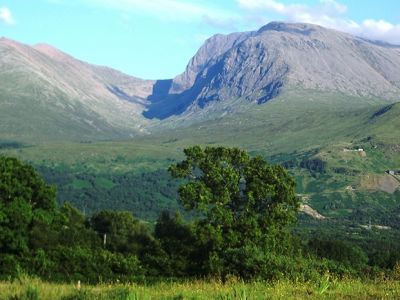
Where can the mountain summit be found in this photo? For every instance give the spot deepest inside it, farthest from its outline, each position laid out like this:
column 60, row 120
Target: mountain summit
column 258, row 65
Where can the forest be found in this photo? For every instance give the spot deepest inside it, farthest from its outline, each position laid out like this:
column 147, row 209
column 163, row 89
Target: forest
column 242, row 224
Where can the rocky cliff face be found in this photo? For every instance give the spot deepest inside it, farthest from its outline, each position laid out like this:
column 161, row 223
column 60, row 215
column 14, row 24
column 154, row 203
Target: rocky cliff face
column 258, row 65
column 205, row 56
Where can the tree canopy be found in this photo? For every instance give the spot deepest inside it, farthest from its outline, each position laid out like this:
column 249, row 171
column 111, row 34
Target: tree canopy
column 246, row 204
column 25, row 200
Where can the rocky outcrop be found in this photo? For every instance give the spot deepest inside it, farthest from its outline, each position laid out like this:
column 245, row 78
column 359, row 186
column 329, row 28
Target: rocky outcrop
column 258, row 65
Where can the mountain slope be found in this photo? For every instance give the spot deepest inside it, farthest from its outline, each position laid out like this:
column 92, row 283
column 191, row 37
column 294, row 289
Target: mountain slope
column 258, row 65
column 47, row 94
column 308, row 137
column 385, row 123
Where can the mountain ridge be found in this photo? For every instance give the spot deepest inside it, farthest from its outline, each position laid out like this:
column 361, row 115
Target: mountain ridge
column 257, row 65
column 64, row 90
column 242, row 67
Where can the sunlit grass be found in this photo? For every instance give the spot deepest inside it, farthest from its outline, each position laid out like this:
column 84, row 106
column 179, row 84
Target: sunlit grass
column 327, row 288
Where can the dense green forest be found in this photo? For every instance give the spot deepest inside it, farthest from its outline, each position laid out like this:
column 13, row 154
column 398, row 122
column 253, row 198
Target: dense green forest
column 242, row 223
column 146, row 194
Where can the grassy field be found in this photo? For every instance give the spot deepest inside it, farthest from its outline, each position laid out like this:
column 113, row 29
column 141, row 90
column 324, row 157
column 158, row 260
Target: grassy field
column 327, row 288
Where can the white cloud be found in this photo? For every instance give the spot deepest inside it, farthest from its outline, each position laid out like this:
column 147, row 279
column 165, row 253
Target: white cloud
column 333, row 6
column 379, row 30
column 260, row 4
column 380, row 26
column 167, row 9
column 253, row 13
column 328, row 13
column 294, row 11
column 6, row 16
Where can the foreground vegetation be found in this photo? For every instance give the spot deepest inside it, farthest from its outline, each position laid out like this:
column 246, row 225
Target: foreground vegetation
column 242, row 233
column 326, row 288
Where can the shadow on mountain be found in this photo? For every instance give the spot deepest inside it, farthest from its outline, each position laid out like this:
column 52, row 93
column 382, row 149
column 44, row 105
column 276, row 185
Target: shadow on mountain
column 160, row 90
column 163, row 105
column 382, row 111
column 124, row 96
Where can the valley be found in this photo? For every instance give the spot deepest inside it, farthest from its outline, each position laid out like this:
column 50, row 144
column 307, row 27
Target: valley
column 308, row 136
column 323, row 104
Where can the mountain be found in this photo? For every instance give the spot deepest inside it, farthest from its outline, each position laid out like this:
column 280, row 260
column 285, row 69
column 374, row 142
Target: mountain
column 259, row 65
column 299, row 95
column 46, row 94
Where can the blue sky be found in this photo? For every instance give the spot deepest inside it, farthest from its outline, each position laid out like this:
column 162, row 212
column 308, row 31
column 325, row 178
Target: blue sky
column 154, row 39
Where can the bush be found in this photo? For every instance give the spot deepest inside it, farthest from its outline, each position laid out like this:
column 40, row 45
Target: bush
column 9, row 266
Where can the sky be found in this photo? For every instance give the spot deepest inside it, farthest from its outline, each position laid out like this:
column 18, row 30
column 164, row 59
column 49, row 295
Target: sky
column 154, row 39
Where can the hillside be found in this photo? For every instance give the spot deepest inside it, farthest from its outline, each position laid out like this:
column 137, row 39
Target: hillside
column 46, row 94
column 308, row 137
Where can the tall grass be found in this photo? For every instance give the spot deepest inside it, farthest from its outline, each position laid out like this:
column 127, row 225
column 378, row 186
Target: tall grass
column 326, row 288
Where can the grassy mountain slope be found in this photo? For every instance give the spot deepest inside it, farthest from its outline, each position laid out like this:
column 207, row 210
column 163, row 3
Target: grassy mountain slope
column 47, row 95
column 307, row 131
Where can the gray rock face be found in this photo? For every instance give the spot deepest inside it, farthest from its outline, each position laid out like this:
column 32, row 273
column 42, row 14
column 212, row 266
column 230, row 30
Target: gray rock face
column 258, row 65
column 205, row 56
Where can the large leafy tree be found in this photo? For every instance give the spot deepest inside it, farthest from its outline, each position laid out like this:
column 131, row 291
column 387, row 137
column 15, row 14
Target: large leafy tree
column 25, row 201
column 245, row 206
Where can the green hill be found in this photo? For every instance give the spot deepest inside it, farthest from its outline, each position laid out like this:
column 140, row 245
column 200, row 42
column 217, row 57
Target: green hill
column 306, row 131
